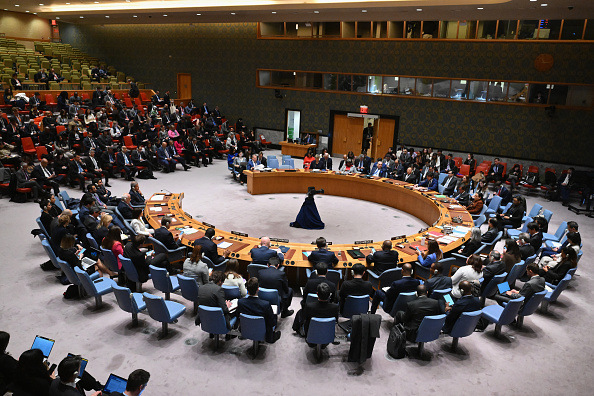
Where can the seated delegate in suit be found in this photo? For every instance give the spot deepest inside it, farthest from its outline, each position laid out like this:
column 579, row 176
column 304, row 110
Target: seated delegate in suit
column 124, row 207
column 45, row 176
column 503, row 193
column 32, row 376
column 572, row 226
column 492, row 231
column 535, row 235
column 430, row 182
column 8, row 364
column 534, row 285
column 24, row 180
column 209, row 248
column 379, row 170
column 68, row 384
column 252, row 305
column 511, row 255
column 165, row 158
column 273, row 278
column 140, row 260
column 472, row 271
column 137, row 199
column 438, row 280
column 362, row 163
column 312, row 283
column 496, row 172
column 476, row 206
column 431, row 255
column 384, row 259
column 70, row 252
column 211, row 294
column 462, row 195
column 356, row 286
column 163, row 235
column 389, row 294
column 466, row 303
column 322, row 308
column 473, row 243
column 573, row 242
column 124, row 164
column 415, row 311
column 449, row 184
column 322, row 254
column 262, row 253
column 514, row 214
column 568, row 260
column 136, row 384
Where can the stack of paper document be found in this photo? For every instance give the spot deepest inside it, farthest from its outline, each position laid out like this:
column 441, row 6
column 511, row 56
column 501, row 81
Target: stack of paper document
column 447, row 239
column 188, row 231
column 224, row 245
column 156, row 209
column 157, row 197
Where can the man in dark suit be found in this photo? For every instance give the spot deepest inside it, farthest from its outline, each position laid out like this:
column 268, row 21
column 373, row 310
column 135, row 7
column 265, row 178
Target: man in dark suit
column 262, row 253
column 125, row 208
column 389, row 296
column 312, row 283
column 136, row 197
column 24, row 180
column 534, row 285
column 492, row 232
column 97, row 98
column 504, row 193
column 495, row 173
column 438, row 280
column 90, row 142
column 92, row 165
column 165, row 236
column 196, row 151
column 77, row 172
column 326, row 162
column 462, row 196
column 430, row 182
column 416, row 310
column 322, row 308
column 493, row 266
column 137, row 382
column 526, row 249
column 252, row 305
column 449, row 184
column 535, row 235
column 383, row 260
column 450, row 165
column 204, row 110
column 165, row 158
column 410, row 176
column 322, row 254
column 67, row 385
column 45, row 176
column 156, row 99
column 356, row 286
column 466, row 303
column 273, row 278
column 363, row 163
column 108, row 161
column 564, row 183
column 209, row 248
column 211, row 294
column 367, row 136
column 124, row 164
column 378, row 170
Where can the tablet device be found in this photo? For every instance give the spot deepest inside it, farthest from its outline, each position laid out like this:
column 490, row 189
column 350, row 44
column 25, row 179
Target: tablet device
column 43, row 344
column 83, row 365
column 448, row 299
column 503, row 287
column 356, row 254
column 115, row 384
column 92, row 253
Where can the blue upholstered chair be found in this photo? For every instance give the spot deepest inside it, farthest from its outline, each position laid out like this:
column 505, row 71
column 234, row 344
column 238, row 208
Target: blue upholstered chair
column 517, row 270
column 173, row 255
column 530, row 307
column 401, row 301
column 385, row 278
column 321, row 331
column 502, row 316
column 131, row 272
column 273, row 163
column 493, row 205
column 491, row 287
column 464, row 326
column 163, row 311
column 163, row 281
column 231, row 292
column 253, row 328
column 533, row 213
column 94, row 288
column 50, row 253
column 514, row 234
column 270, row 295
column 212, row 321
column 479, row 221
column 129, row 302
column 556, row 237
column 554, row 295
column 222, row 266
column 189, row 290
column 429, row 330
column 253, row 269
column 109, row 259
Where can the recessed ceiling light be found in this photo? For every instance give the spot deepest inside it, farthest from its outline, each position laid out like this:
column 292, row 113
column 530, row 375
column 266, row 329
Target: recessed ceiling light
column 40, row 3
column 419, row 9
column 544, row 5
column 96, row 2
column 363, row 10
column 67, row 3
column 316, row 12
column 34, row 13
column 16, row 5
column 82, row 17
column 57, row 17
column 198, row 14
column 533, row 0
column 480, row 8
column 164, row 14
column 232, row 13
column 26, row 11
column 106, row 16
column 134, row 16
column 274, row 12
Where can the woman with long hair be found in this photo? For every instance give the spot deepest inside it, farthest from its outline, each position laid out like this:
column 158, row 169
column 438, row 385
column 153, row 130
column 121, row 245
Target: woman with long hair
column 113, row 242
column 473, row 243
column 195, row 268
column 432, row 254
column 555, row 274
column 472, row 271
column 233, row 278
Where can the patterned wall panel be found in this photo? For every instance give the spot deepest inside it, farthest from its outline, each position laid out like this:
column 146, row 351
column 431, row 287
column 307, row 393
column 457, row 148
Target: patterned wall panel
column 223, row 59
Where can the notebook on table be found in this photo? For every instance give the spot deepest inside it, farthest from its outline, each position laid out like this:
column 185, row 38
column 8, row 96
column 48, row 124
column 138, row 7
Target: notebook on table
column 43, row 344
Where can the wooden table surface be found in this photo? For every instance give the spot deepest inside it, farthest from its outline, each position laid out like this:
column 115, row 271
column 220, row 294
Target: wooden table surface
column 393, row 193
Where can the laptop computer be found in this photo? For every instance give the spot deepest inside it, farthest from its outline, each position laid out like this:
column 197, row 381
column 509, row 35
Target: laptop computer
column 114, row 383
column 43, row 344
column 503, row 287
column 83, row 365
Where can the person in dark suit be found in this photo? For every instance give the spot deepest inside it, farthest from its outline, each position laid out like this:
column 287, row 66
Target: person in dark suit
column 389, row 296
column 535, row 235
column 416, row 310
column 462, row 195
column 383, row 260
column 165, row 158
column 410, row 176
column 504, row 194
column 356, row 286
column 141, row 262
column 534, row 285
column 493, row 266
column 449, row 165
column 430, row 182
column 137, row 382
column 379, row 170
column 204, row 110
column 45, row 176
column 165, row 236
column 262, row 253
column 526, row 249
column 252, row 305
column 514, row 215
column 24, row 180
column 438, row 280
column 195, row 151
column 93, row 166
column 449, row 184
column 209, row 248
column 367, row 136
column 108, row 162
column 363, row 163
column 125, row 208
column 322, row 308
column 564, row 184
column 15, row 83
column 156, row 99
column 211, row 294
column 67, row 385
column 492, row 232
column 322, row 254
column 136, row 197
column 273, row 278
column 495, row 172
column 124, row 164
column 312, row 283
column 466, row 303
column 77, row 172
column 326, row 162
column 97, row 99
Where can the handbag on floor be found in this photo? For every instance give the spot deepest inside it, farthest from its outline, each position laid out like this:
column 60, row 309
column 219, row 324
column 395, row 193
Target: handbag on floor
column 397, row 342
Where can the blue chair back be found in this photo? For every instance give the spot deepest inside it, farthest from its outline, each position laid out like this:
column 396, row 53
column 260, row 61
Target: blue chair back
column 560, row 231
column 189, row 287
column 157, row 246
column 129, row 269
column 92, row 241
column 161, row 280
column 532, row 304
column 387, row 277
column 510, row 311
column 547, row 214
column 466, row 324
column 50, row 252
column 65, row 197
column 212, row 320
column 355, row 305
column 321, row 330
column 90, row 286
column 552, row 296
column 253, row 269
column 253, row 327
column 572, row 271
column 126, row 299
column 273, row 163
column 438, row 294
column 41, row 226
column 535, row 210
column 492, row 285
column 68, row 271
column 430, row 328
column 109, row 259
column 480, row 220
column 530, row 259
column 269, row 157
column 401, row 302
column 157, row 309
column 231, row 292
column 283, row 166
column 579, row 256
column 270, row 295
column 285, row 157
column 494, row 204
column 517, row 270
column 311, row 297
column 59, row 204
column 215, row 267
column 334, row 276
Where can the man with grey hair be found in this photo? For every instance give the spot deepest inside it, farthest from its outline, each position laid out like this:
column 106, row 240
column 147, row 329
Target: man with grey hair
column 125, row 208
column 137, row 199
column 526, row 249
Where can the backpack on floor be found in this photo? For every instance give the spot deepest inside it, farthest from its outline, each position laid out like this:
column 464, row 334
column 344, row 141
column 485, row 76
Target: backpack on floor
column 397, row 342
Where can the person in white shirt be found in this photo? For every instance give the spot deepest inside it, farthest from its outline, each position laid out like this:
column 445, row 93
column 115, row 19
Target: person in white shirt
column 138, row 224
column 473, row 270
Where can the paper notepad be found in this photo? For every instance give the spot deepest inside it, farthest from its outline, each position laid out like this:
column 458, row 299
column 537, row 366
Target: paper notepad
column 224, row 245
column 156, row 209
column 447, row 239
column 157, row 197
column 189, row 231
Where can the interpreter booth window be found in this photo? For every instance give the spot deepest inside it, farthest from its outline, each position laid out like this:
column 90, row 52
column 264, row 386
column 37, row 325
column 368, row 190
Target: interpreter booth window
column 441, row 88
column 487, row 29
column 430, row 29
column 374, row 84
column 572, row 29
column 359, row 83
column 467, row 30
column 518, row 92
column 330, row 81
column 580, row 96
column 390, row 85
column 558, row 94
column 507, row 29
column 448, row 30
column 459, row 89
column 539, row 93
column 528, row 30
column 407, row 86
column 283, row 79
column 549, row 29
column 293, row 125
column 264, row 78
column 424, row 86
column 497, row 91
column 478, row 90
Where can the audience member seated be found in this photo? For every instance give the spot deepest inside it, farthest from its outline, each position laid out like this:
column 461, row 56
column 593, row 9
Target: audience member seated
column 535, row 235
column 138, row 224
column 495, row 173
column 384, row 259
column 504, row 194
column 430, row 183
column 438, row 280
column 322, row 254
column 8, row 364
column 113, row 242
column 209, row 248
column 233, row 278
column 136, row 197
column 573, row 241
column 567, row 261
column 141, row 262
column 195, row 268
column 308, row 159
column 572, row 226
column 466, row 303
column 416, row 310
column 431, row 255
column 462, row 195
column 136, row 384
column 388, row 295
column 379, row 170
column 473, row 243
column 273, row 278
column 32, row 376
column 262, row 253
column 493, row 265
column 322, row 308
column 252, row 305
column 534, row 285
column 67, row 383
column 511, row 254
column 211, row 294
column 356, row 286
column 124, row 207
column 24, row 180
column 492, row 231
column 476, row 206
column 449, row 184
column 472, row 271
column 514, row 214
column 163, row 235
column 312, row 283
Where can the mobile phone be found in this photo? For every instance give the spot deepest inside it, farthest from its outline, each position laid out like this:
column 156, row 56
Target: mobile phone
column 52, row 368
column 448, row 299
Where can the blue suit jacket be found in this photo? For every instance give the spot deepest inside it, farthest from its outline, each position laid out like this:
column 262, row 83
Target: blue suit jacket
column 261, row 254
column 120, row 162
column 161, row 154
column 324, row 256
column 404, row 285
column 257, row 307
column 165, row 236
column 505, row 195
column 463, row 304
column 431, row 186
column 383, row 171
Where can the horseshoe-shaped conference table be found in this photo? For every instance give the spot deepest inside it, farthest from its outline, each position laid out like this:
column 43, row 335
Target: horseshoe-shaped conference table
column 435, row 210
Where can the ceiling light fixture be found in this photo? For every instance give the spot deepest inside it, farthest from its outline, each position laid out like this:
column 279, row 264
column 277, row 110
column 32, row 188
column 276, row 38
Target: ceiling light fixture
column 363, row 10
column 274, row 12
column 232, row 13
column 82, row 17
column 106, row 16
column 134, row 16
column 533, row 0
column 16, row 5
column 419, row 9
column 164, row 15
column 198, row 14
column 544, row 5
column 26, row 11
column 57, row 17
column 41, row 4
column 34, row 13
column 480, row 8
column 316, row 12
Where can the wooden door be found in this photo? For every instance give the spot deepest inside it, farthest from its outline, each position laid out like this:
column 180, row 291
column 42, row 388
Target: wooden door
column 184, row 86
column 347, row 135
column 383, row 137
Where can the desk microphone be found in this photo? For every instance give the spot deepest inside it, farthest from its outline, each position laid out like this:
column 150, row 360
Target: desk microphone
column 163, row 189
